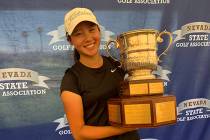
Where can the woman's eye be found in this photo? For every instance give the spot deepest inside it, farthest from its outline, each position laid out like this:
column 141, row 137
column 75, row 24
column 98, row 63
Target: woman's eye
column 77, row 33
column 92, row 29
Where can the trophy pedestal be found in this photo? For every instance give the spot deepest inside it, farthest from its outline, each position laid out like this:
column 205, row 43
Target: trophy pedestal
column 142, row 87
column 146, row 111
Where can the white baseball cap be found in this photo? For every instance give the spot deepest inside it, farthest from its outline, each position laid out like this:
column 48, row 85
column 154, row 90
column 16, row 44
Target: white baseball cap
column 77, row 15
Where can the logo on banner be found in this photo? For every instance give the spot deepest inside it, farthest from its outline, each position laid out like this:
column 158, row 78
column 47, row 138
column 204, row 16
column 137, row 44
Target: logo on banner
column 149, row 2
column 58, row 35
column 195, row 34
column 63, row 127
column 21, row 82
column 162, row 74
column 193, row 109
column 149, row 139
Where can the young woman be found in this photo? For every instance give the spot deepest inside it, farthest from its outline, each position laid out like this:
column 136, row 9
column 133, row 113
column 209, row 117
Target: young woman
column 90, row 82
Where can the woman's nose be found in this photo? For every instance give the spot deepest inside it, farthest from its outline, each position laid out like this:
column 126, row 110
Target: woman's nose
column 88, row 36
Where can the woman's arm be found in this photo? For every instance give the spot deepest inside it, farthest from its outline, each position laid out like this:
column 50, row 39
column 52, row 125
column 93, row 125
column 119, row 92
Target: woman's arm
column 74, row 111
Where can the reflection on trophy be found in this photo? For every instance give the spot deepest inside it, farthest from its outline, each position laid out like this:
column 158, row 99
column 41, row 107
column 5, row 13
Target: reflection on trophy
column 142, row 103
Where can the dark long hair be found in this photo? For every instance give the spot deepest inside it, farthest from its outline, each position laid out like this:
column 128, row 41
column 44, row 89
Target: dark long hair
column 76, row 53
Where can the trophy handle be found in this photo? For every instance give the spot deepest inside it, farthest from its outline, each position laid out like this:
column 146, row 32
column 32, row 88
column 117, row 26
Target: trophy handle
column 107, row 47
column 159, row 40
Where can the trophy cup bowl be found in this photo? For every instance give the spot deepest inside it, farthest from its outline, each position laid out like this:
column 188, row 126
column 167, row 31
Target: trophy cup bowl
column 141, row 103
column 138, row 52
column 138, row 56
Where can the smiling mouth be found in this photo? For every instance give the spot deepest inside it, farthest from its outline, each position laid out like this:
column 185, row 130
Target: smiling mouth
column 89, row 46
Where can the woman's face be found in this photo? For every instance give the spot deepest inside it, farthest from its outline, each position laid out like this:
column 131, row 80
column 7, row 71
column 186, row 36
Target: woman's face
column 86, row 38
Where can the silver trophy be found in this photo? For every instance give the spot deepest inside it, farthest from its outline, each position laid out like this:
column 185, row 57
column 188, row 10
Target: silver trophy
column 141, row 103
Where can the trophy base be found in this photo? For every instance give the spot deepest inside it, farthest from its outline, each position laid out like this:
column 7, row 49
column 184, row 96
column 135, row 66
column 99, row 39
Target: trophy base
column 148, row 111
column 142, row 87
